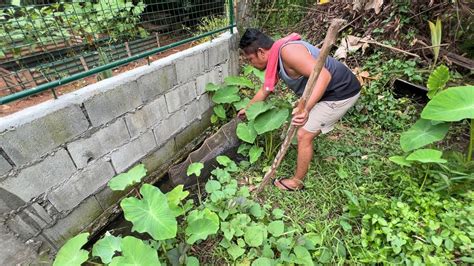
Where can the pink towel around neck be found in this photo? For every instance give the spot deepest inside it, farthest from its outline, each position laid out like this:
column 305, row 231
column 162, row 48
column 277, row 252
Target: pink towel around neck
column 272, row 64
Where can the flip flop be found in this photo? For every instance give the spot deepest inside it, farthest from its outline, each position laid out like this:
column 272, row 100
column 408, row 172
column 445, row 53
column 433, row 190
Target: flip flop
column 287, row 188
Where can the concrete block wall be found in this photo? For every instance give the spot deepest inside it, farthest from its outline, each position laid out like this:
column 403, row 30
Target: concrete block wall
column 57, row 157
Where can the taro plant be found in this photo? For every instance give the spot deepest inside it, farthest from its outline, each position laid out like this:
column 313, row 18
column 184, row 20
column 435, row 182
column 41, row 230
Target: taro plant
column 446, row 105
column 263, row 118
column 154, row 213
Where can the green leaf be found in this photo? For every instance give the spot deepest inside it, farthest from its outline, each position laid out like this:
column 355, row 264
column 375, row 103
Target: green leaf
column 262, row 262
column 224, row 160
column 212, row 87
column 278, row 213
column 437, row 240
column 16, row 2
column 152, row 214
column 201, row 224
column 71, row 253
column 449, row 244
column 257, row 108
column 246, row 132
column 467, row 259
column 435, row 38
column 400, row 160
column 302, row 255
column 174, row 198
column 437, row 80
column 195, row 168
column 212, row 185
column 241, row 104
column 270, row 120
column 422, row 133
column 254, row 235
column 238, row 81
column 345, row 225
column 226, row 95
column 244, row 149
column 254, row 153
column 276, row 228
column 106, row 247
column 426, row 156
column 326, row 255
column 452, row 104
column 220, row 111
column 133, row 176
column 192, row 261
column 235, row 251
column 135, row 252
column 214, row 118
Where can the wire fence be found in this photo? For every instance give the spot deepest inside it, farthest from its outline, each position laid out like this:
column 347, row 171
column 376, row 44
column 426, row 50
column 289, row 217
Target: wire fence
column 45, row 43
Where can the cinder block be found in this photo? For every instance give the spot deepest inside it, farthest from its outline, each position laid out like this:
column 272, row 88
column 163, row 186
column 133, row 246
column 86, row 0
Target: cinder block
column 14, row 251
column 204, row 104
column 210, row 77
column 81, row 185
column 132, row 152
column 35, row 138
column 169, row 127
column 147, row 117
column 73, row 223
column 158, row 158
column 37, row 179
column 180, row 96
column 113, row 102
column 234, row 63
column 189, row 67
column 101, row 142
column 224, row 70
column 191, row 132
column 157, row 82
column 219, row 53
column 107, row 197
column 5, row 166
column 29, row 221
column 192, row 112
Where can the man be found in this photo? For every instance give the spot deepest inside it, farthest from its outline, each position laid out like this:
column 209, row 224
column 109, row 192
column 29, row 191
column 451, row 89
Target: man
column 336, row 90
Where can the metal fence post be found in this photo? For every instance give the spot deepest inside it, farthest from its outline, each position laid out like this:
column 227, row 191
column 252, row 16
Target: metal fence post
column 231, row 15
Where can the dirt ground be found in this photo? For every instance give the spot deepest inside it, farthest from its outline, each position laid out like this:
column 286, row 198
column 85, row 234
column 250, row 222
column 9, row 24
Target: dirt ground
column 7, row 109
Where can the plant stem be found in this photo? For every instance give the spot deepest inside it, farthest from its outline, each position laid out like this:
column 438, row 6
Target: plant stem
column 471, row 142
column 162, row 244
column 199, row 190
column 424, row 180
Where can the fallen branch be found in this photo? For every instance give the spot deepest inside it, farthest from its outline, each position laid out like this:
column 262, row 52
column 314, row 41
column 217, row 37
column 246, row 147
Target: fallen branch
column 332, row 32
column 391, row 48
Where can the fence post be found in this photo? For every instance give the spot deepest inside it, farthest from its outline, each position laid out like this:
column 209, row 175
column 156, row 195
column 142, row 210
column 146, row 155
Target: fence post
column 231, row 15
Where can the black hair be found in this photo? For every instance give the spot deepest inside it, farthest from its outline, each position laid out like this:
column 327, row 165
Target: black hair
column 254, row 39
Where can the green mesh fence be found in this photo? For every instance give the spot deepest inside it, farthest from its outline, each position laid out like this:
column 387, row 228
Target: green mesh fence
column 42, row 41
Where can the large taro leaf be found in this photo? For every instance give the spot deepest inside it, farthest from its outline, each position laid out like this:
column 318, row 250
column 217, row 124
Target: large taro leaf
column 242, row 103
column 129, row 178
column 422, row 133
column 175, row 197
column 152, row 214
column 201, row 224
column 257, row 108
column 238, row 81
column 106, row 247
column 212, row 87
column 135, row 252
column 71, row 253
column 246, row 132
column 426, row 156
column 226, row 94
column 452, row 104
column 437, row 80
column 254, row 153
column 270, row 120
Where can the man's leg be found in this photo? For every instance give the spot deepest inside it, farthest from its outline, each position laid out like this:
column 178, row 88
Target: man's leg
column 305, row 154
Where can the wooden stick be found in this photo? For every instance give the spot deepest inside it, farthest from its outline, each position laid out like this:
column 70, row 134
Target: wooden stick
column 331, row 34
column 391, row 48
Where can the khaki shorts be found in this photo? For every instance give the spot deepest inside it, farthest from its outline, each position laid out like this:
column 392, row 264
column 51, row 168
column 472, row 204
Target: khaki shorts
column 325, row 114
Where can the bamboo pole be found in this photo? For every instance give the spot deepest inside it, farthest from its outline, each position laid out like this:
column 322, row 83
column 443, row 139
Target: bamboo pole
column 331, row 35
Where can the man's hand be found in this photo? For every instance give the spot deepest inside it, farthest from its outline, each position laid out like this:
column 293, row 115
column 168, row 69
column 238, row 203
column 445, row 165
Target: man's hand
column 241, row 114
column 299, row 119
